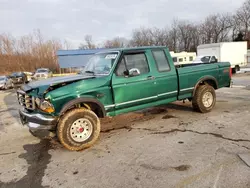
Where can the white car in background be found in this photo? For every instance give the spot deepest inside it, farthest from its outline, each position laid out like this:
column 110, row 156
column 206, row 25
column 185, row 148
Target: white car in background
column 6, row 83
column 205, row 59
column 42, row 73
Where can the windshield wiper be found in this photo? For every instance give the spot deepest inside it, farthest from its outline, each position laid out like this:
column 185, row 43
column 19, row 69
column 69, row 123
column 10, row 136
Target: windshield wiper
column 91, row 72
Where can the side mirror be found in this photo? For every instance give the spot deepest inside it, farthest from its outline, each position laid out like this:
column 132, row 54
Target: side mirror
column 134, row 72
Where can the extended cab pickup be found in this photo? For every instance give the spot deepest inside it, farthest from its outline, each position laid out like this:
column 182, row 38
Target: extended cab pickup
column 115, row 82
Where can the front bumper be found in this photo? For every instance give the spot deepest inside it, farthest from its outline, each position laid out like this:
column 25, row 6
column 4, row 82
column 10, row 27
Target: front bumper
column 37, row 121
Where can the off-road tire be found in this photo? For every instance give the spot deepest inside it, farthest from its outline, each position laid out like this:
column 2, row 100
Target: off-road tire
column 63, row 129
column 197, row 99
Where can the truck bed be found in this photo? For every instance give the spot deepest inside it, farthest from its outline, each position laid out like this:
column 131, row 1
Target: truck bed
column 190, row 75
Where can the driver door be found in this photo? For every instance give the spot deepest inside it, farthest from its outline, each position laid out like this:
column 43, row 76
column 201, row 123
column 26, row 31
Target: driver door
column 133, row 89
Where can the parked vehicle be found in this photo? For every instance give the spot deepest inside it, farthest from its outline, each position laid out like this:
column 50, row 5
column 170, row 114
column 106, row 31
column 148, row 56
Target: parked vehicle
column 6, row 82
column 42, row 73
column 183, row 58
column 19, row 77
column 205, row 59
column 116, row 82
column 29, row 76
column 233, row 52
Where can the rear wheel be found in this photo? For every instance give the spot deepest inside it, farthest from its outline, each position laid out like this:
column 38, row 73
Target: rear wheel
column 237, row 68
column 233, row 70
column 78, row 129
column 204, row 99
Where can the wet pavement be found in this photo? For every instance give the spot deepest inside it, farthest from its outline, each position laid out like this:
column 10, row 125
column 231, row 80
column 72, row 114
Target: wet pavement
column 167, row 146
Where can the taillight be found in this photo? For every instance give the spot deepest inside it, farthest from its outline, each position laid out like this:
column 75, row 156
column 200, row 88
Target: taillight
column 230, row 72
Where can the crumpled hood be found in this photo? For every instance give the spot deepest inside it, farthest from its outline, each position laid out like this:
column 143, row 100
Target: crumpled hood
column 45, row 84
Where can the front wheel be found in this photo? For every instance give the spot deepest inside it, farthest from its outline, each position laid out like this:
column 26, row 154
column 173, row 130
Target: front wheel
column 78, row 129
column 204, row 99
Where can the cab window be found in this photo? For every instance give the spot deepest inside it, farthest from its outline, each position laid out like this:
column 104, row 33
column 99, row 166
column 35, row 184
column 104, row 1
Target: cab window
column 161, row 60
column 129, row 62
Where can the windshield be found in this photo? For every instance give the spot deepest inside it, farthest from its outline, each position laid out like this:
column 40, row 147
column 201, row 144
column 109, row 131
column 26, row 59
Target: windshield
column 41, row 70
column 101, row 63
column 2, row 78
column 16, row 74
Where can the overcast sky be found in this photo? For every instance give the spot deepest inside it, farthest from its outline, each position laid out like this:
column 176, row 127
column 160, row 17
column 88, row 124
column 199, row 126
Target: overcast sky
column 103, row 19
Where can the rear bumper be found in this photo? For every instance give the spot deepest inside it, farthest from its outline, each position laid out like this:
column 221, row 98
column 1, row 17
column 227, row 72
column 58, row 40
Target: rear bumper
column 37, row 121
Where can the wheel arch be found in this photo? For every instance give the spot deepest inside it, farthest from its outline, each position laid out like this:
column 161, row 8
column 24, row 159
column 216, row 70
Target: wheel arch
column 90, row 103
column 210, row 80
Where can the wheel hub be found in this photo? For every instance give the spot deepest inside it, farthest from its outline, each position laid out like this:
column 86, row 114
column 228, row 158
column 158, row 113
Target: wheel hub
column 81, row 130
column 207, row 99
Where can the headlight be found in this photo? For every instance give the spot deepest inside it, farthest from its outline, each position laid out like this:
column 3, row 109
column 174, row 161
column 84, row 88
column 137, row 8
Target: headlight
column 47, row 107
column 44, row 105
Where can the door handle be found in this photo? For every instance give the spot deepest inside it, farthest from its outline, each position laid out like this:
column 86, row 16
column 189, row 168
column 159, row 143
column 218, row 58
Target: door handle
column 150, row 77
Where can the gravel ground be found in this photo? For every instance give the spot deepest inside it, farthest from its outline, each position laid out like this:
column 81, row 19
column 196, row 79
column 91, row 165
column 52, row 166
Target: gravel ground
column 167, row 146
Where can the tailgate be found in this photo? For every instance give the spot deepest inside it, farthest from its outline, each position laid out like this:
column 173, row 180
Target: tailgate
column 225, row 75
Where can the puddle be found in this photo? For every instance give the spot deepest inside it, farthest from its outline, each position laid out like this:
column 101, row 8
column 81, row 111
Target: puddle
column 221, row 101
column 154, row 111
column 38, row 158
column 182, row 167
column 8, row 109
column 168, row 116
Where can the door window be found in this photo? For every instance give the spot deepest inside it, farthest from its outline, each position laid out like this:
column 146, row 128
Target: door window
column 133, row 61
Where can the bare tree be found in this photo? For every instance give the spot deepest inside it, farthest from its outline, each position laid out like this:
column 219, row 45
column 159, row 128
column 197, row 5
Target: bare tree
column 142, row 37
column 117, row 42
column 216, row 28
column 88, row 44
column 173, row 36
column 186, row 32
column 236, row 27
column 27, row 53
column 243, row 16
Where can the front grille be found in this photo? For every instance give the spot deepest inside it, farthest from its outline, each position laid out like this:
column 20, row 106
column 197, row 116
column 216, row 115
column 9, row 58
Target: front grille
column 25, row 100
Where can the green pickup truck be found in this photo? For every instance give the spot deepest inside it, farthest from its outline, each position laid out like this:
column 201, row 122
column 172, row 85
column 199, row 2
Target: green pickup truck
column 114, row 82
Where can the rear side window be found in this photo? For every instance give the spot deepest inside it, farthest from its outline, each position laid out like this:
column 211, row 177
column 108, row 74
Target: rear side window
column 161, row 60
